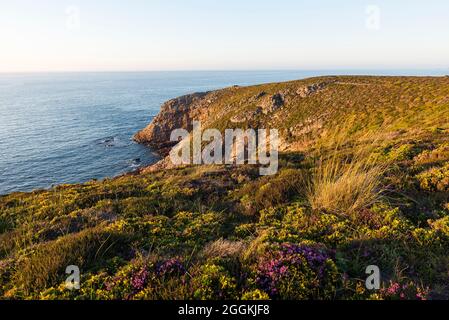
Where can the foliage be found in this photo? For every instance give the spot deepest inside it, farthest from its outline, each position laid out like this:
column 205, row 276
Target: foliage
column 297, row 273
column 371, row 192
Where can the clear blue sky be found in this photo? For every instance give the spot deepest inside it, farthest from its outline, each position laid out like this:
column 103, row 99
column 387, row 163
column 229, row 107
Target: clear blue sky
column 80, row 35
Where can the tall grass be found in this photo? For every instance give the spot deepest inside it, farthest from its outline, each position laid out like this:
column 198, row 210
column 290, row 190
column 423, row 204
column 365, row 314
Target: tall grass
column 349, row 178
column 344, row 188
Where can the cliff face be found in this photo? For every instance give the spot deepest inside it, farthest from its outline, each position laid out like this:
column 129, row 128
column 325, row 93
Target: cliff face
column 208, row 107
column 174, row 114
column 303, row 110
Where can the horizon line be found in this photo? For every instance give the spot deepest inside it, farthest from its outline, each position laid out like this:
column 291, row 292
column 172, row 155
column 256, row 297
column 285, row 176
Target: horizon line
column 441, row 69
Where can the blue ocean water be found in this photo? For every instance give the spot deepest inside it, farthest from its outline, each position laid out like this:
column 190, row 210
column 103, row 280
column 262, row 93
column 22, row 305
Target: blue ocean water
column 73, row 127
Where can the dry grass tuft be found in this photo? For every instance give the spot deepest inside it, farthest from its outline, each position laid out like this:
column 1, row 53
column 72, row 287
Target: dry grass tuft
column 224, row 248
column 345, row 188
column 345, row 183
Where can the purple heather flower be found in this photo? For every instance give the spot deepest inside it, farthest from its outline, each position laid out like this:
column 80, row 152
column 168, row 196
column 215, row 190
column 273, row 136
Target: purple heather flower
column 393, row 289
column 421, row 295
column 139, row 279
column 170, row 267
column 277, row 269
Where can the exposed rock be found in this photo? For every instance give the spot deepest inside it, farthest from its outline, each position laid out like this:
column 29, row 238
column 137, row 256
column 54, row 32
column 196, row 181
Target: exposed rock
column 175, row 114
column 256, row 97
column 240, row 118
column 307, row 91
column 286, row 92
column 272, row 103
column 260, row 95
column 306, row 127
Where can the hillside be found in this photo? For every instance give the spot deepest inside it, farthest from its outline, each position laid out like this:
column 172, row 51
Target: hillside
column 363, row 180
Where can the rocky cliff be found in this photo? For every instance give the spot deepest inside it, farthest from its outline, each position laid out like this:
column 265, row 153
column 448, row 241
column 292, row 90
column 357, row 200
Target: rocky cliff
column 303, row 110
column 175, row 113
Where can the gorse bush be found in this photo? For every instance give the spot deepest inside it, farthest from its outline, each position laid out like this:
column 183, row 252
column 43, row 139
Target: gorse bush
column 435, row 179
column 214, row 282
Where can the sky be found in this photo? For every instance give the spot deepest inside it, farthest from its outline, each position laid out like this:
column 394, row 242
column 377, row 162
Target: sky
column 145, row 35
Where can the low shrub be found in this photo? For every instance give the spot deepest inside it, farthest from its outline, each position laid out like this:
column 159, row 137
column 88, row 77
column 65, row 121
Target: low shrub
column 269, row 192
column 435, row 179
column 298, row 272
column 406, row 291
column 213, row 282
column 45, row 266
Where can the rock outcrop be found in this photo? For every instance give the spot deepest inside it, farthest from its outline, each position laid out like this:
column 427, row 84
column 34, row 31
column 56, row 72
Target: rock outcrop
column 176, row 113
column 246, row 116
column 307, row 91
column 272, row 103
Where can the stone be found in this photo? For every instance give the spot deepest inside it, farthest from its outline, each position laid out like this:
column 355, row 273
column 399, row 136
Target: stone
column 307, row 91
column 272, row 103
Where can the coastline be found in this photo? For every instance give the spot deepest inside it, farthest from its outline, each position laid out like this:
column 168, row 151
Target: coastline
column 207, row 106
column 176, row 227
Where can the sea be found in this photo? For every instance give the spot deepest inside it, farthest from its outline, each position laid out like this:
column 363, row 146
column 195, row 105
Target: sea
column 63, row 128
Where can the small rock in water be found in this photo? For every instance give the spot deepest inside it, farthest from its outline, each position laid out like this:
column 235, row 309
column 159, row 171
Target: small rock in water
column 108, row 142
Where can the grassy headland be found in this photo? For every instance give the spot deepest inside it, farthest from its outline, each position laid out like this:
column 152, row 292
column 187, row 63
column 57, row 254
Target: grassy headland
column 363, row 180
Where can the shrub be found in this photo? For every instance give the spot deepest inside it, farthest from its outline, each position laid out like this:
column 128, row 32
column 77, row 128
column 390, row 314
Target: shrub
column 271, row 191
column 46, row 265
column 197, row 228
column 407, row 291
column 93, row 287
column 164, row 279
column 297, row 273
column 437, row 155
column 441, row 225
column 255, row 295
column 214, row 282
column 404, row 152
column 171, row 267
column 435, row 179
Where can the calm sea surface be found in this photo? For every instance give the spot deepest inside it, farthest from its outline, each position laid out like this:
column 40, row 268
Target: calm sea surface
column 74, row 127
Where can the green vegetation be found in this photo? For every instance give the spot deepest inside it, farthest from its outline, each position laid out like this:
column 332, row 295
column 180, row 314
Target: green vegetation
column 367, row 186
